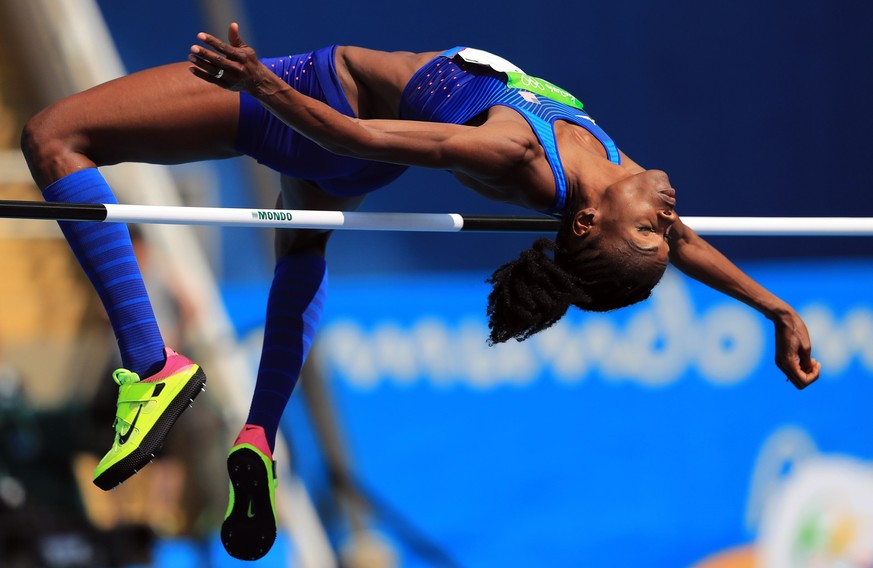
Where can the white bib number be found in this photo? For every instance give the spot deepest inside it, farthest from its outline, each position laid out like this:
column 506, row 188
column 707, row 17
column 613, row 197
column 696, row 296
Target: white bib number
column 495, row 62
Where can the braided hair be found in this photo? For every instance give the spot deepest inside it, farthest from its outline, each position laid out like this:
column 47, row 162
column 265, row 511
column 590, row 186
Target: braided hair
column 534, row 291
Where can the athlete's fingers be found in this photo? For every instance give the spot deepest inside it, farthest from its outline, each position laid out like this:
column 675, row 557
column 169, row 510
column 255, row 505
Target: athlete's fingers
column 208, row 77
column 233, row 66
column 233, row 36
column 206, row 56
column 801, row 375
column 204, row 73
column 208, row 62
column 807, row 365
column 217, row 44
column 805, row 358
column 236, row 51
column 807, row 377
column 224, row 71
column 212, row 67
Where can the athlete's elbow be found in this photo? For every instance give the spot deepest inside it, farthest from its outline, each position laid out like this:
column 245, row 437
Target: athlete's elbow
column 354, row 142
column 339, row 145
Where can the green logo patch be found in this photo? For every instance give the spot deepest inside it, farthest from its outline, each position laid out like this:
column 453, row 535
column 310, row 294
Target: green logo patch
column 542, row 87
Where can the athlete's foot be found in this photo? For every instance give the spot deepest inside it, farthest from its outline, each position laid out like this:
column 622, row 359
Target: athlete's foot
column 249, row 527
column 147, row 409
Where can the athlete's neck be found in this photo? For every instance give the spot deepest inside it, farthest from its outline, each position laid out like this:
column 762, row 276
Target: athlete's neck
column 589, row 176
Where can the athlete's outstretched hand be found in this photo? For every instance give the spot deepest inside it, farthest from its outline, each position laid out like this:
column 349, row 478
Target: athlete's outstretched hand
column 232, row 65
column 794, row 350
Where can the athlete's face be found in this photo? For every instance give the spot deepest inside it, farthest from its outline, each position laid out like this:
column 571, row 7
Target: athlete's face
column 639, row 210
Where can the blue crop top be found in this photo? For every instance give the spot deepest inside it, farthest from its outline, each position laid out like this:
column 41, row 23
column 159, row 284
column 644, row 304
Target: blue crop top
column 461, row 83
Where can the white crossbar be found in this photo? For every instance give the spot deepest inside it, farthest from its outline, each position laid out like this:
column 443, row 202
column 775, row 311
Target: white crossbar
column 420, row 222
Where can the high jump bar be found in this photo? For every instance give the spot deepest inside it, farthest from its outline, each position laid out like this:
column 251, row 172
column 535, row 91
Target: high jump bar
column 417, row 222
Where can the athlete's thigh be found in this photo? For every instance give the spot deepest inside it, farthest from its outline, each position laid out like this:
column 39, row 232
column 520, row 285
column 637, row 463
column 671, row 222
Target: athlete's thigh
column 160, row 115
column 306, row 195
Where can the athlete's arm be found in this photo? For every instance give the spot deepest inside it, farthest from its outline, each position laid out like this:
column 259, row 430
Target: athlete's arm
column 482, row 152
column 698, row 259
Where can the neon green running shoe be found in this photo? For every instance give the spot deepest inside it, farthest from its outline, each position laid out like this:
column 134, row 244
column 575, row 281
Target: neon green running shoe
column 249, row 528
column 146, row 411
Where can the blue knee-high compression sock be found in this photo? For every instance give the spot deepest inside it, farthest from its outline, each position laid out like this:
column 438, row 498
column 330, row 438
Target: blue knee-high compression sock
column 294, row 308
column 105, row 252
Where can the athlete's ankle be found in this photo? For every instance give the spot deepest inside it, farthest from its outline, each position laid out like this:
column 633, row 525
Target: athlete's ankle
column 171, row 364
column 151, row 373
column 254, row 435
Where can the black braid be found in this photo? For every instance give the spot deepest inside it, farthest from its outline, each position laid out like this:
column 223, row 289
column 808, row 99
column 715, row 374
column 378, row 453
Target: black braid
column 534, row 291
column 530, row 294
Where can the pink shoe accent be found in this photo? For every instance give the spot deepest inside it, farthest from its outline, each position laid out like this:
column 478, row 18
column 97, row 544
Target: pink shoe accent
column 255, row 436
column 175, row 364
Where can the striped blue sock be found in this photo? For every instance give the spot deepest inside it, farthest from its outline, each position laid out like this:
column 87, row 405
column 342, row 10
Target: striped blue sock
column 294, row 308
column 105, row 253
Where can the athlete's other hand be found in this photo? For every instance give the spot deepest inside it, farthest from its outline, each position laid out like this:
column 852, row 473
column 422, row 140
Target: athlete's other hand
column 232, row 65
column 794, row 350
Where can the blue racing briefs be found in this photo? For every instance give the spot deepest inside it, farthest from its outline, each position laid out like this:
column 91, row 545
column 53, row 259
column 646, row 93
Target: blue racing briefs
column 276, row 145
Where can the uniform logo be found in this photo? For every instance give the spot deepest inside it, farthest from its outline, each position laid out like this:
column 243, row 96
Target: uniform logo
column 123, row 438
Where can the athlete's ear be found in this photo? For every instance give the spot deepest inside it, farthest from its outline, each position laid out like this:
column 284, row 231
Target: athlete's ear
column 584, row 220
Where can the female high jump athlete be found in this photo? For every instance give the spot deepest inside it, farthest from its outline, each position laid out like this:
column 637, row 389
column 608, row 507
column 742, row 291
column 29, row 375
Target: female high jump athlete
column 338, row 123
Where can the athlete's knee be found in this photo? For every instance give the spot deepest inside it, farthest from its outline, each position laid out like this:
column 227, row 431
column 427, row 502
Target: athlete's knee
column 295, row 241
column 47, row 145
column 36, row 139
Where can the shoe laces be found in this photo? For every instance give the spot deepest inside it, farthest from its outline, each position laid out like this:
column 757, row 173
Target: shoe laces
column 124, row 377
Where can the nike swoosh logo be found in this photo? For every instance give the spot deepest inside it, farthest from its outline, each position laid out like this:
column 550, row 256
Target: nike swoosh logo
column 123, row 438
column 585, row 117
column 250, row 514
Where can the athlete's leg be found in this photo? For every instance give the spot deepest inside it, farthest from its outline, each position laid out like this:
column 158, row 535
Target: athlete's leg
column 295, row 303
column 164, row 115
column 294, row 307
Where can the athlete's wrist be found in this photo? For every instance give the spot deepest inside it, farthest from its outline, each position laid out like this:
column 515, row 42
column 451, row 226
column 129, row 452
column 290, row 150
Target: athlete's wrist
column 267, row 85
